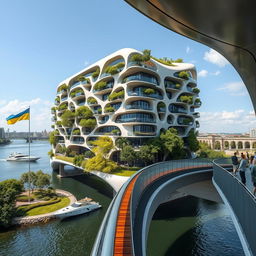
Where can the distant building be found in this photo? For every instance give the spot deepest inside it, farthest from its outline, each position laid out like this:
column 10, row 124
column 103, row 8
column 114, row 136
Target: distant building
column 2, row 133
column 253, row 132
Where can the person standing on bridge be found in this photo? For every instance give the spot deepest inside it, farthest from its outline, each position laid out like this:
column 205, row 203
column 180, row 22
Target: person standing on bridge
column 235, row 163
column 242, row 168
column 253, row 174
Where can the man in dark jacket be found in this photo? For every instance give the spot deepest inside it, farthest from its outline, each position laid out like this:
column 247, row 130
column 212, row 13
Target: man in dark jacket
column 235, row 163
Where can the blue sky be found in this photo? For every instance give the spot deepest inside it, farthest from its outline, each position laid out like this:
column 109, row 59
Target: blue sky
column 43, row 42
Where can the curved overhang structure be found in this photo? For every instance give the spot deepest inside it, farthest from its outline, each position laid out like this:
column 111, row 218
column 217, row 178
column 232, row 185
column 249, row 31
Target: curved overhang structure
column 228, row 26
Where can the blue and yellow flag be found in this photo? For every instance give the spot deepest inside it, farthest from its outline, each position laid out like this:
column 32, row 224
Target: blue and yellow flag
column 24, row 115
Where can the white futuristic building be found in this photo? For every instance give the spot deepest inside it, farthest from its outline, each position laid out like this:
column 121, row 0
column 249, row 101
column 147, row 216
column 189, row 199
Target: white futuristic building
column 126, row 94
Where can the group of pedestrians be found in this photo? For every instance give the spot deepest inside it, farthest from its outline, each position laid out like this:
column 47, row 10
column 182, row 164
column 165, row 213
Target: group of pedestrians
column 245, row 162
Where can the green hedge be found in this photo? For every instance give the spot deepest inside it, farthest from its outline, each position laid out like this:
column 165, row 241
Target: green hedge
column 26, row 208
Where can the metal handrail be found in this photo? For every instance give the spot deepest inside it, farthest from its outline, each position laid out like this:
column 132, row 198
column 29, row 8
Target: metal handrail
column 242, row 204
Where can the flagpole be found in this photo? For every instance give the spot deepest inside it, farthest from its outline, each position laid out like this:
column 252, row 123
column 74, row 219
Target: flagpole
column 29, row 181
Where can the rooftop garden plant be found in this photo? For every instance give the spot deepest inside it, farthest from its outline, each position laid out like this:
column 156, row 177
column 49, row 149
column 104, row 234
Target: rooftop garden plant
column 88, row 123
column 96, row 73
column 116, row 95
column 84, row 112
column 62, row 87
column 115, row 68
column 109, row 108
column 62, row 107
column 67, row 118
column 183, row 75
column 91, row 100
column 100, row 86
column 76, row 132
column 196, row 90
column 177, row 86
column 186, row 99
column 149, row 91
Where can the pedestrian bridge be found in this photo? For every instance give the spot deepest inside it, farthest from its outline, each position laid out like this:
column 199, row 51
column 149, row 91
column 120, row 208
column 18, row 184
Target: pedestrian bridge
column 126, row 224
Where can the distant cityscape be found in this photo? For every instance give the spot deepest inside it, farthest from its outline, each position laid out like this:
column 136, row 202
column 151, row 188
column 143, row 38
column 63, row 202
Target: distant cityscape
column 6, row 135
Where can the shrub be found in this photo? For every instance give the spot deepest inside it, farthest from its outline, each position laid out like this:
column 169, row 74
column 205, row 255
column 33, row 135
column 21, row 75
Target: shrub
column 111, row 70
column 184, row 75
column 81, row 78
column 91, row 100
column 120, row 65
column 100, row 86
column 137, row 58
column 149, row 91
column 88, row 123
column 76, row 132
column 116, row 95
column 186, row 99
column 115, row 131
column 84, row 112
column 96, row 73
column 78, row 160
column 109, row 109
column 196, row 90
column 177, row 86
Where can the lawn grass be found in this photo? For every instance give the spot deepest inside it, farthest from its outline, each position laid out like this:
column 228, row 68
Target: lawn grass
column 125, row 171
column 65, row 158
column 49, row 208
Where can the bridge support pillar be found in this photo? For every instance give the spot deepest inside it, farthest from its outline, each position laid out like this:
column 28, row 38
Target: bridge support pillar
column 61, row 171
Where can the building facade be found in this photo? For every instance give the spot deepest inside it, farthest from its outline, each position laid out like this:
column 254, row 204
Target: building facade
column 126, row 94
column 2, row 133
column 231, row 142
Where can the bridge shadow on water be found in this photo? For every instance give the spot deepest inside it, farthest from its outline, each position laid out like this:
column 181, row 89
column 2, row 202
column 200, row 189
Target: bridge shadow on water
column 192, row 226
column 87, row 179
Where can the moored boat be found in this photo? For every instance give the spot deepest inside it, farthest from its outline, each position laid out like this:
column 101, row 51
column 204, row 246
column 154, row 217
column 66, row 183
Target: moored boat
column 19, row 157
column 80, row 207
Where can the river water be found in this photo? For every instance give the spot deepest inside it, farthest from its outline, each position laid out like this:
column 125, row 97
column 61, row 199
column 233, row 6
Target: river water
column 188, row 226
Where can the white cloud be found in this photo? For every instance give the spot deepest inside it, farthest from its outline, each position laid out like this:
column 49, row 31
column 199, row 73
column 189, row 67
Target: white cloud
column 40, row 114
column 215, row 58
column 188, row 50
column 216, row 73
column 234, row 89
column 227, row 121
column 203, row 73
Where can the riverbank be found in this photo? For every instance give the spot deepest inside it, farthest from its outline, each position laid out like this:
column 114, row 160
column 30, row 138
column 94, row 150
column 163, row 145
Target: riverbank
column 43, row 218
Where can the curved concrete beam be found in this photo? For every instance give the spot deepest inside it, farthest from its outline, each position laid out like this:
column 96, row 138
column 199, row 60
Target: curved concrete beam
column 228, row 26
column 115, row 181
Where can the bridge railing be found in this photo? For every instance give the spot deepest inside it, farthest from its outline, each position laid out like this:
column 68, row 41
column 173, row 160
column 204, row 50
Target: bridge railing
column 155, row 171
column 104, row 243
column 241, row 201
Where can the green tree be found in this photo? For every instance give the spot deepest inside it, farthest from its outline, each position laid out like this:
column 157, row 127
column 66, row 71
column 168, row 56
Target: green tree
column 122, row 142
column 84, row 112
column 9, row 189
column 128, row 154
column 100, row 161
column 172, row 143
column 43, row 180
column 67, row 118
column 29, row 180
column 53, row 138
column 193, row 143
column 146, row 154
column 206, row 152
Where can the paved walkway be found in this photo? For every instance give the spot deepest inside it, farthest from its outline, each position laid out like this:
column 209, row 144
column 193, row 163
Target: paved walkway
column 248, row 176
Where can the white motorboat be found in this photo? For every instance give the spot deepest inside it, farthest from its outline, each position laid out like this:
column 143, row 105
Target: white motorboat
column 80, row 207
column 19, row 157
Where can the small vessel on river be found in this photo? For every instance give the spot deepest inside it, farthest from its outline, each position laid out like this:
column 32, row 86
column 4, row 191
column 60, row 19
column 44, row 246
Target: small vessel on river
column 19, row 157
column 80, row 207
